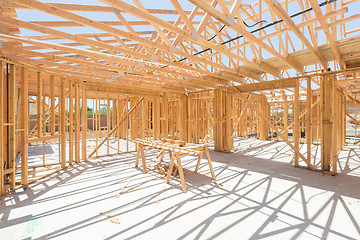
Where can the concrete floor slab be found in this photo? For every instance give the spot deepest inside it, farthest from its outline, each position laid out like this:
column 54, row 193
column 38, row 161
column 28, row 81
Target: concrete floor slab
column 258, row 194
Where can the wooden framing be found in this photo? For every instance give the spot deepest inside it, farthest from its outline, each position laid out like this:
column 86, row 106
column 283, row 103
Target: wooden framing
column 12, row 124
column 2, row 127
column 24, row 125
column 203, row 77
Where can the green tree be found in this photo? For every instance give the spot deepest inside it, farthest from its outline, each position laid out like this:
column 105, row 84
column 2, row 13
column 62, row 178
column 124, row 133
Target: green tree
column 103, row 110
column 90, row 111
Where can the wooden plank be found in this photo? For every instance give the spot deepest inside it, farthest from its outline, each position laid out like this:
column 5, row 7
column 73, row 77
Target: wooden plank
column 286, row 115
column 308, row 131
column 108, row 123
column 326, row 129
column 266, row 85
column 71, row 123
column 84, row 123
column 77, row 123
column 228, row 123
column 142, row 122
column 39, row 102
column 24, row 125
column 335, row 107
column 2, row 115
column 42, row 139
column 12, row 124
column 156, row 112
column 43, row 112
column 62, row 124
column 165, row 133
column 52, row 106
column 91, row 8
column 296, row 119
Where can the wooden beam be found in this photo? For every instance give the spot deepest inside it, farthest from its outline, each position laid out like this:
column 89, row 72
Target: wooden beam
column 24, row 125
column 62, row 124
column 12, row 90
column 309, row 127
column 77, row 123
column 266, row 85
column 91, row 8
column 327, row 143
column 83, row 123
column 39, row 104
column 52, row 106
column 71, row 122
column 2, row 118
column 156, row 112
column 296, row 120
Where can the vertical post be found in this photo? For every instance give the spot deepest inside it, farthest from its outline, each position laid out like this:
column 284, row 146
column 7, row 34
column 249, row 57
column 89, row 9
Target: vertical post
column 326, row 86
column 156, row 112
column 223, row 136
column 308, row 131
column 343, row 120
column 52, row 106
column 335, row 107
column 182, row 117
column 108, row 123
column 262, row 123
column 119, row 113
column 143, row 119
column 314, row 119
column 2, row 110
column 96, row 129
column 24, row 125
column 114, row 114
column 165, row 116
column 12, row 124
column 286, row 115
column 228, row 124
column 77, row 123
column 296, row 119
column 71, row 124
column 243, row 120
column 84, row 123
column 198, row 119
column 62, row 123
column 44, row 128
column 39, row 104
column 217, row 119
column 190, row 119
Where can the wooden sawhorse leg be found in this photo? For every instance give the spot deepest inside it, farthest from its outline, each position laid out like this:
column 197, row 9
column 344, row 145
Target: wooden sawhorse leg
column 209, row 162
column 140, row 151
column 180, row 169
column 198, row 162
column 181, row 172
column 170, row 167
